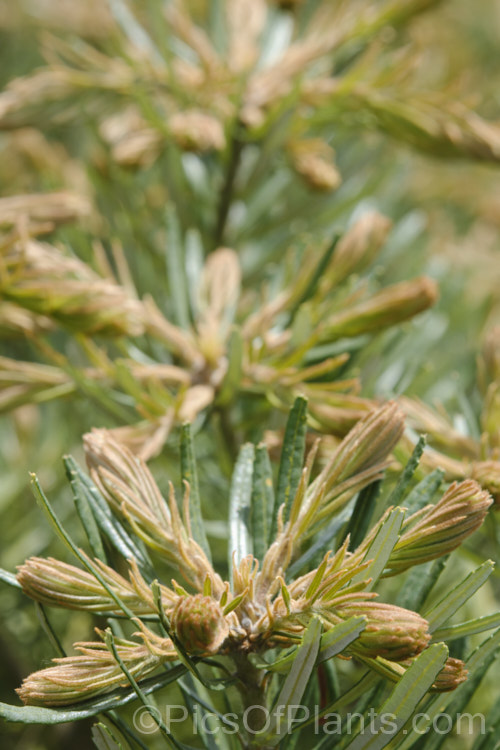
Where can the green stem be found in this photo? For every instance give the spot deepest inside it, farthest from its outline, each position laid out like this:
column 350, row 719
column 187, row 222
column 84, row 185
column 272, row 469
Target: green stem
column 252, row 690
column 227, row 188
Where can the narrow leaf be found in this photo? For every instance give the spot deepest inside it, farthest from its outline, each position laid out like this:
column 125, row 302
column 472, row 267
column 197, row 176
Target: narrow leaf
column 464, row 629
column 424, row 492
column 339, row 637
column 381, row 547
column 449, row 604
column 174, row 256
column 323, row 543
column 292, row 459
column 403, row 700
column 104, row 739
column 477, row 664
column 190, row 475
column 65, row 537
column 84, row 510
column 240, row 540
column 234, row 370
column 108, row 523
column 419, row 584
column 262, row 501
column 295, row 683
column 400, row 489
column 362, row 514
column 9, row 578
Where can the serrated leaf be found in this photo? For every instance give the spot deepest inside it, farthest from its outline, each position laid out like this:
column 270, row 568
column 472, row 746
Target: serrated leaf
column 292, row 459
column 240, row 538
column 403, row 700
column 400, row 489
column 190, row 475
column 262, row 501
column 449, row 604
column 464, row 629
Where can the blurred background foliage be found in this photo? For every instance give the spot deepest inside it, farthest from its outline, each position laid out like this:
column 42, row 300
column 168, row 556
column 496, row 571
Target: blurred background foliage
column 160, row 146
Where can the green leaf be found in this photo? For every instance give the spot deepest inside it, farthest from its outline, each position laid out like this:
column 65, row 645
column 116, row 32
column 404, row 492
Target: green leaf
column 471, row 627
column 362, row 514
column 333, row 642
column 323, row 543
column 419, row 583
column 262, row 501
column 9, row 578
column 424, row 492
column 190, row 475
column 148, row 703
column 316, row 277
column 381, row 547
column 477, row 664
column 339, row 637
column 240, row 540
column 65, row 537
column 84, row 510
column 398, row 492
column 403, row 700
column 234, row 371
column 295, row 684
column 49, row 630
column 119, row 697
column 196, row 705
column 449, row 604
column 107, row 522
column 174, row 256
column 489, row 740
column 292, row 459
column 104, row 739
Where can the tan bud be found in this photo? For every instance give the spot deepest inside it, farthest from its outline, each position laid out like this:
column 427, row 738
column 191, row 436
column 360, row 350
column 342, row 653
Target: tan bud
column 391, row 632
column 358, row 248
column 389, row 307
column 313, row 159
column 199, row 624
column 443, row 527
column 194, row 130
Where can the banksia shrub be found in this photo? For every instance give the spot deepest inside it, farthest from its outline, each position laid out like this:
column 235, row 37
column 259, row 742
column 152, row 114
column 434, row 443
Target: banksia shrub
column 301, row 587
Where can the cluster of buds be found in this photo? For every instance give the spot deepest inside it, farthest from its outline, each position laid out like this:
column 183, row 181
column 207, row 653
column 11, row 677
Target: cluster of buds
column 228, row 351
column 243, row 86
column 258, row 610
